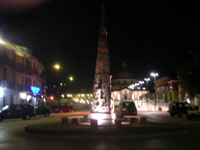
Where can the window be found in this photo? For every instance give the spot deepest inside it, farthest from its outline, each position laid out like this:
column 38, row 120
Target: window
column 28, row 63
column 34, row 66
column 125, row 97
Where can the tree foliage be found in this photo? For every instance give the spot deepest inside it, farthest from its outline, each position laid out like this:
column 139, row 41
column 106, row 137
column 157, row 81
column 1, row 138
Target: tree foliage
column 189, row 74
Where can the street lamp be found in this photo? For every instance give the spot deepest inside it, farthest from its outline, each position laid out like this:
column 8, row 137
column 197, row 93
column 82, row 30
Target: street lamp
column 57, row 66
column 154, row 75
column 2, row 41
column 147, row 80
column 71, row 78
column 62, row 84
column 141, row 82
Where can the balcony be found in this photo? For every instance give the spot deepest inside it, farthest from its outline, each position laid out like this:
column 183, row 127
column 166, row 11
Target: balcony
column 5, row 61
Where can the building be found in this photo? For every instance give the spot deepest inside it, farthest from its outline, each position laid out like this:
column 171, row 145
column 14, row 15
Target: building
column 169, row 90
column 161, row 88
column 173, row 86
column 19, row 71
column 120, row 87
column 128, row 94
column 161, row 84
column 123, row 79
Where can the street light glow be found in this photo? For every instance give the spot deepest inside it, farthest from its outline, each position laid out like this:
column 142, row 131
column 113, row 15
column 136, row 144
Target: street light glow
column 22, row 95
column 71, row 78
column 147, row 79
column 2, row 41
column 153, row 74
column 52, row 97
column 57, row 67
column 141, row 82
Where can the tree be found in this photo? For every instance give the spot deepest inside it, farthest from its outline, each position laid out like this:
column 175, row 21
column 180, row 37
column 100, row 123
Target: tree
column 175, row 96
column 182, row 95
column 189, row 74
column 169, row 95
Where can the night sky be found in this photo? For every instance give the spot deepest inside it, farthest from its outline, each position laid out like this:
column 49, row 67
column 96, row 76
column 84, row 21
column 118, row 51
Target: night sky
column 148, row 35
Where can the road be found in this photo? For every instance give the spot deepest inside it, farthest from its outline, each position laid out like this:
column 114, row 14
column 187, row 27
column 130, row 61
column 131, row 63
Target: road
column 13, row 137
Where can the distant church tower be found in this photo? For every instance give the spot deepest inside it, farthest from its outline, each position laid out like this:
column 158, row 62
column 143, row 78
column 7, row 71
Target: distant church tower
column 101, row 90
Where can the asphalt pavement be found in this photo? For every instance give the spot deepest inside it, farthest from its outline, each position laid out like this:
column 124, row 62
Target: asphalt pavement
column 13, row 136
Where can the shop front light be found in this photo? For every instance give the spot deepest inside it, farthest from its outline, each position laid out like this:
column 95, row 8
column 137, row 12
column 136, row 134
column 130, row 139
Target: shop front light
column 28, row 98
column 22, row 95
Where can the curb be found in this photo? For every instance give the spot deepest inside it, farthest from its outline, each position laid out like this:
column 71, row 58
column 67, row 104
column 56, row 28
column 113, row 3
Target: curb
column 78, row 132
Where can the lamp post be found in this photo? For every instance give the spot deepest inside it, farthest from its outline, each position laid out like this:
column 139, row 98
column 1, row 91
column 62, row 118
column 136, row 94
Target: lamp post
column 147, row 80
column 70, row 78
column 154, row 75
column 141, row 83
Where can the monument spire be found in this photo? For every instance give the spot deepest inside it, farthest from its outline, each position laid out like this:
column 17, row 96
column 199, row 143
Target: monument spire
column 101, row 90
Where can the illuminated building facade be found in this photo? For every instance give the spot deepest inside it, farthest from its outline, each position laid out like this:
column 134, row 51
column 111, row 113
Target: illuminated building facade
column 84, row 98
column 123, row 79
column 18, row 72
column 120, row 86
column 128, row 94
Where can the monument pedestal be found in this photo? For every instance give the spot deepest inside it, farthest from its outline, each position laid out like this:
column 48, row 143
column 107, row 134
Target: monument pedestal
column 102, row 118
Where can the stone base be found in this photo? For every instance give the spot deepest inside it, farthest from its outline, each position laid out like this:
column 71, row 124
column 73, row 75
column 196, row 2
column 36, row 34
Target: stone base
column 101, row 118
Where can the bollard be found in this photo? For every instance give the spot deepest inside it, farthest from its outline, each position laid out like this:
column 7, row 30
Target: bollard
column 65, row 121
column 143, row 120
column 133, row 121
column 94, row 123
column 118, row 122
column 75, row 121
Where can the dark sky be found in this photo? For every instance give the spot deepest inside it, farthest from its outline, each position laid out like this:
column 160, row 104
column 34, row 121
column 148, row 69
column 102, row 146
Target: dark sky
column 149, row 35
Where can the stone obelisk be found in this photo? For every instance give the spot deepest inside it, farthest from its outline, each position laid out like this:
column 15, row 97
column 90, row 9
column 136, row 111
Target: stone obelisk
column 101, row 90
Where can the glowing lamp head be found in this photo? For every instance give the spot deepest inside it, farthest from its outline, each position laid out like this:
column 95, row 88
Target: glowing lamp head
column 51, row 97
column 2, row 41
column 22, row 95
column 28, row 98
column 57, row 67
column 35, row 90
column 154, row 74
column 147, row 79
column 71, row 78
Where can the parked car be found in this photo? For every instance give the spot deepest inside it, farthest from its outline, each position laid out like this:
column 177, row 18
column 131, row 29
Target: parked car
column 63, row 109
column 17, row 111
column 42, row 110
column 178, row 108
column 126, row 108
